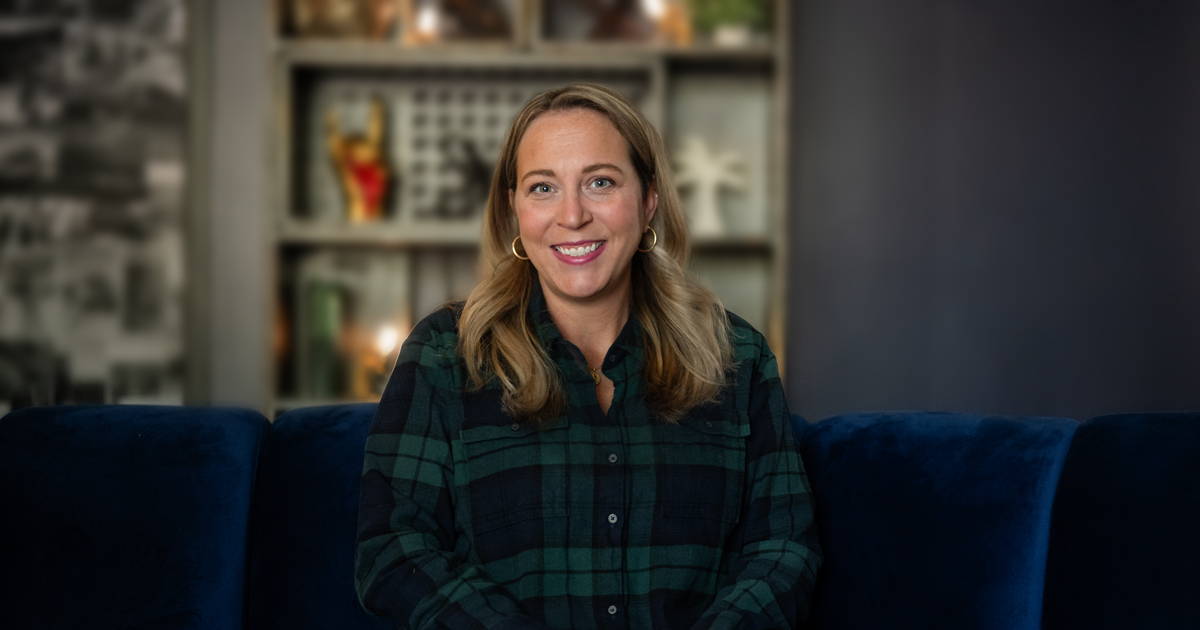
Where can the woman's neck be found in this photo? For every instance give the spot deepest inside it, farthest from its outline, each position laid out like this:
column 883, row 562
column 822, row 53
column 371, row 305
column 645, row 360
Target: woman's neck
column 592, row 325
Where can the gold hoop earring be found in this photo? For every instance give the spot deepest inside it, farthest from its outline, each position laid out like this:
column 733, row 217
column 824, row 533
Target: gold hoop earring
column 654, row 235
column 514, row 249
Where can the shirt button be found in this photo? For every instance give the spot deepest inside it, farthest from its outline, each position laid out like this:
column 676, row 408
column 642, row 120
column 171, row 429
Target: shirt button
column 515, row 426
column 612, row 518
column 707, row 423
column 612, row 458
column 612, row 609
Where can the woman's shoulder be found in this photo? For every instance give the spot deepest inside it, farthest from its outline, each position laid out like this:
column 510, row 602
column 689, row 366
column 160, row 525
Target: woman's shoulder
column 748, row 342
column 442, row 320
column 433, row 341
column 754, row 362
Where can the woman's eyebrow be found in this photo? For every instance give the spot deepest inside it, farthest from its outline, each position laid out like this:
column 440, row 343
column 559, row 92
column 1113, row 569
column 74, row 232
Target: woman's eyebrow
column 587, row 169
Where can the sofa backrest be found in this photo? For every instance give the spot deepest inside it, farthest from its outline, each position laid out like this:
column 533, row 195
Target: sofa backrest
column 305, row 522
column 150, row 517
column 126, row 516
column 1123, row 544
column 932, row 520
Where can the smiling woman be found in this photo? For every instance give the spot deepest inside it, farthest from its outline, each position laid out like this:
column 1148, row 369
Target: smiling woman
column 580, row 221
column 591, row 439
column 581, row 167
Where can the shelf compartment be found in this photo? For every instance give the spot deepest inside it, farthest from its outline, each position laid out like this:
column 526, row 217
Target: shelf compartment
column 723, row 162
column 443, row 129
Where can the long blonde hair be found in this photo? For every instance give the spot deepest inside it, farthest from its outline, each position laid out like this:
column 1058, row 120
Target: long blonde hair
column 685, row 330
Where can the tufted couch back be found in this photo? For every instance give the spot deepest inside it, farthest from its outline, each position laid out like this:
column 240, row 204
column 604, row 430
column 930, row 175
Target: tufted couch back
column 178, row 517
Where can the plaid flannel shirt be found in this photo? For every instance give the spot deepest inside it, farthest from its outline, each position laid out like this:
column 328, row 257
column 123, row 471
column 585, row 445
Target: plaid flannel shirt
column 468, row 519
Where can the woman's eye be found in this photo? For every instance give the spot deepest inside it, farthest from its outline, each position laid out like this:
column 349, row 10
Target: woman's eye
column 540, row 188
column 602, row 182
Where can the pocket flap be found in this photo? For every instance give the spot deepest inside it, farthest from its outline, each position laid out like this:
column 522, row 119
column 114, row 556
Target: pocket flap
column 719, row 422
column 513, row 430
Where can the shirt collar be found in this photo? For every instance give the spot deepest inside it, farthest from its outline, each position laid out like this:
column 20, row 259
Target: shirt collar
column 626, row 349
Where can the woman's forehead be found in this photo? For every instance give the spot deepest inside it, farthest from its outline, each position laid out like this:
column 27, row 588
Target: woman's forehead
column 574, row 135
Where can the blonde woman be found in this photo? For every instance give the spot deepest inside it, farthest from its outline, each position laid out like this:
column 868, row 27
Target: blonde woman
column 591, row 440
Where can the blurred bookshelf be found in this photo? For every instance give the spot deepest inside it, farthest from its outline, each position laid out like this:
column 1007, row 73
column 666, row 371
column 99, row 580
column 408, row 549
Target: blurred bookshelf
column 427, row 89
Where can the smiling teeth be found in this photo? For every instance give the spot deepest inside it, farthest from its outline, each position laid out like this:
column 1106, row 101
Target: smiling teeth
column 576, row 252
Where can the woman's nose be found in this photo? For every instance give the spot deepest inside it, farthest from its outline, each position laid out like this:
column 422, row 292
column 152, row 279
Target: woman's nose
column 573, row 213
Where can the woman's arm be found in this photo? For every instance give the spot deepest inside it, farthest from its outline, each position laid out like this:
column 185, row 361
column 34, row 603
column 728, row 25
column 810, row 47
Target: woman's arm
column 408, row 563
column 775, row 554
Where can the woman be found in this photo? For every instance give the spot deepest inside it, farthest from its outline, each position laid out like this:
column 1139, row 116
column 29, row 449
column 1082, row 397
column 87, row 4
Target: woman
column 591, row 440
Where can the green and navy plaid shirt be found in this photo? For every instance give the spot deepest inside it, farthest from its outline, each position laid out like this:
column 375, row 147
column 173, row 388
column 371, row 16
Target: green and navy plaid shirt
column 468, row 519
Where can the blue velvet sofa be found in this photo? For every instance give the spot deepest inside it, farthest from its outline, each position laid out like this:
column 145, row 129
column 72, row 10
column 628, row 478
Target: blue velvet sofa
column 175, row 517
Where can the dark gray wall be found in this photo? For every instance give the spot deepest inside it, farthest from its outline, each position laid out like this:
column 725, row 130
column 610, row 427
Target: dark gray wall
column 995, row 207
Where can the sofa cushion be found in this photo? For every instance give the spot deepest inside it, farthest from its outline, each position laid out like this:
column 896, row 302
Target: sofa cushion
column 126, row 516
column 933, row 520
column 1123, row 551
column 306, row 519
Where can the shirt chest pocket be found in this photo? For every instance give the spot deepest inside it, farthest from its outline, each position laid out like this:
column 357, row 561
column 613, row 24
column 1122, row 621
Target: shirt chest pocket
column 513, row 475
column 701, row 477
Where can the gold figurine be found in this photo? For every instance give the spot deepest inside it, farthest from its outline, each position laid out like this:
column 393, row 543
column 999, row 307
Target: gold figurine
column 359, row 162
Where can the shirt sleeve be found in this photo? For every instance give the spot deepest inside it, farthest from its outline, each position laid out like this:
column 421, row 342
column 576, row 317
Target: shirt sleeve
column 775, row 554
column 407, row 566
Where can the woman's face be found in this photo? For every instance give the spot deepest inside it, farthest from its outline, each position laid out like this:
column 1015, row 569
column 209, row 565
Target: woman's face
column 579, row 204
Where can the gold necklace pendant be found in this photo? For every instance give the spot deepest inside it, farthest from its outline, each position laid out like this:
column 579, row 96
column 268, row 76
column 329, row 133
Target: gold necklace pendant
column 595, row 375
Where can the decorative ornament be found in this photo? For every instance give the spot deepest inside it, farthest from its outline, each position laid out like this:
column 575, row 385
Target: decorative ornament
column 706, row 174
column 359, row 162
column 467, row 174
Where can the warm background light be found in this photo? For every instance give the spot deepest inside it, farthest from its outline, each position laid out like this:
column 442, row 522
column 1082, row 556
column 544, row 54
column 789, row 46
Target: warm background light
column 387, row 339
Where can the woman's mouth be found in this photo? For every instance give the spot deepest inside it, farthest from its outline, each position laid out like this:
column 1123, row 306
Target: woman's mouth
column 578, row 253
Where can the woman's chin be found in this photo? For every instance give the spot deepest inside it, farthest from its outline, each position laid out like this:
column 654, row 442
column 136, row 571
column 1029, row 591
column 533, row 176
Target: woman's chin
column 581, row 290
column 581, row 294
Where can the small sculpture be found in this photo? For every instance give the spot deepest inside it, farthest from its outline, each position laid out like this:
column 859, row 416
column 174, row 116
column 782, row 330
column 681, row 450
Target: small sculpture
column 359, row 162
column 706, row 173
column 468, row 175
